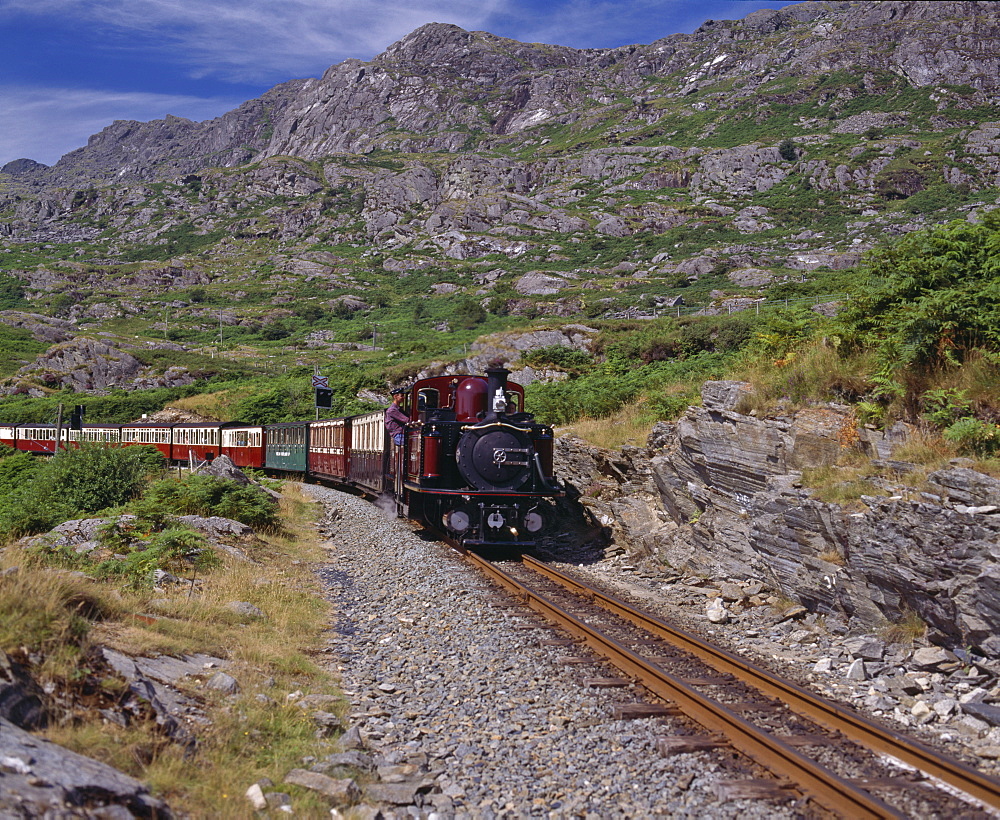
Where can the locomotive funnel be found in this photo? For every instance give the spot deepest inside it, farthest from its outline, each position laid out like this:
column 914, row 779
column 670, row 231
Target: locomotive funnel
column 496, row 400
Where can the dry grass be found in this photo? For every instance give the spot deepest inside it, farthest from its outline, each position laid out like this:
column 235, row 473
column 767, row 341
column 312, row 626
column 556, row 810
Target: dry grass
column 60, row 615
column 50, row 611
column 977, row 379
column 842, row 484
column 629, row 426
column 908, row 629
column 814, row 373
column 211, row 405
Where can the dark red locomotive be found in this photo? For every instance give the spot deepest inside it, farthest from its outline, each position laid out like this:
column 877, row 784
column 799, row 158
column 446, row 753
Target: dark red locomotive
column 474, row 462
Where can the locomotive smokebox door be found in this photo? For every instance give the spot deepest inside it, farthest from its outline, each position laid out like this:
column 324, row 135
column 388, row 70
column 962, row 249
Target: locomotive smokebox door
column 495, row 457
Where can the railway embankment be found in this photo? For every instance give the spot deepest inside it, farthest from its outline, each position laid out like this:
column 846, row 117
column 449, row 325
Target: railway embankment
column 454, row 700
column 725, row 494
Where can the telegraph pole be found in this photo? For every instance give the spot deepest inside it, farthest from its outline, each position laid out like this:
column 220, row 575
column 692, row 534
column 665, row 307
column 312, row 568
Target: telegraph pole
column 55, row 449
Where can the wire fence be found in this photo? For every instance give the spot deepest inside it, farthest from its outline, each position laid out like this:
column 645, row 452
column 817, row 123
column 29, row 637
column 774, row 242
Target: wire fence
column 732, row 306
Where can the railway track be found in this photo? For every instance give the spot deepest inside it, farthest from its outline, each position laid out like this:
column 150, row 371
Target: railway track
column 805, row 741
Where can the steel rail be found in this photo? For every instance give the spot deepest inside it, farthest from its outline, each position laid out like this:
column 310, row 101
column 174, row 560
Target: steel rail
column 858, row 728
column 808, row 777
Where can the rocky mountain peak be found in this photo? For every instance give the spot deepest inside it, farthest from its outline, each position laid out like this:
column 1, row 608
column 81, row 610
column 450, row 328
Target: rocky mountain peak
column 440, row 84
column 472, row 55
column 22, row 166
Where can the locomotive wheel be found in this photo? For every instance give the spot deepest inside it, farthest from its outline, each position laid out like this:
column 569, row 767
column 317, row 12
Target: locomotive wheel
column 495, row 457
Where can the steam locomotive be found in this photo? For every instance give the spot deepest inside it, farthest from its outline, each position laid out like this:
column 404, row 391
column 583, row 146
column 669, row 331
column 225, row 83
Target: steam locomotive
column 473, row 463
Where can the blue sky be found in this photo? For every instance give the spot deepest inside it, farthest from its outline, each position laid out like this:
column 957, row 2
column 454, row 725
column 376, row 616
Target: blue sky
column 68, row 68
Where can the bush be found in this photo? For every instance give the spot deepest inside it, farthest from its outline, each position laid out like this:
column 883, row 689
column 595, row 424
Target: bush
column 786, row 150
column 16, row 468
column 207, row 496
column 77, row 483
column 560, row 358
column 974, row 437
column 170, row 548
column 931, row 299
column 469, row 313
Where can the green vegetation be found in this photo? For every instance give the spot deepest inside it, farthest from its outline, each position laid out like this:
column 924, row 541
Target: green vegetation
column 180, row 239
column 931, row 299
column 11, row 293
column 17, row 348
column 55, row 623
column 72, row 484
column 208, row 496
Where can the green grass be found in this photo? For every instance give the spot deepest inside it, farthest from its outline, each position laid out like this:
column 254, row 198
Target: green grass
column 17, row 348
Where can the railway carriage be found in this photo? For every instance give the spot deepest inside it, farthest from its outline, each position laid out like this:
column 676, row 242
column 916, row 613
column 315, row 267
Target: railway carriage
column 96, row 433
column 329, row 442
column 199, row 442
column 286, row 446
column 8, row 435
column 40, row 438
column 244, row 445
column 367, row 449
column 159, row 436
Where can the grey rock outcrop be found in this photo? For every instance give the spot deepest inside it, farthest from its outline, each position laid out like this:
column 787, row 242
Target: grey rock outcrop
column 42, row 328
column 21, row 699
column 719, row 492
column 85, row 364
column 82, row 363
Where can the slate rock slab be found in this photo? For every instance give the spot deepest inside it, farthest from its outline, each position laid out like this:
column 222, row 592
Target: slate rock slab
column 41, row 779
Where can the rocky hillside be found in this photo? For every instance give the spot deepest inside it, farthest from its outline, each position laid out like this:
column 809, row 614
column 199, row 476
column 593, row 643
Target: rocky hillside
column 445, row 89
column 716, row 169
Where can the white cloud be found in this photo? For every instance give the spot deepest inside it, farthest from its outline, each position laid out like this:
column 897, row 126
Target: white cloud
column 255, row 40
column 44, row 123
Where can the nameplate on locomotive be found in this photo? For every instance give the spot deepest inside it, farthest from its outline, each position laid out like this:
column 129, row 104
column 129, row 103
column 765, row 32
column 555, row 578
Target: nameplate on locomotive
column 510, row 456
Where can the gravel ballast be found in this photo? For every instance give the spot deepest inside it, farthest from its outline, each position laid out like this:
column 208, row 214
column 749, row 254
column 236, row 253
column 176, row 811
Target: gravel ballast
column 463, row 711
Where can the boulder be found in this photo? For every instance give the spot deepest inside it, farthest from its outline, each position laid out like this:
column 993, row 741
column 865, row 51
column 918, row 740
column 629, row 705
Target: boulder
column 537, row 283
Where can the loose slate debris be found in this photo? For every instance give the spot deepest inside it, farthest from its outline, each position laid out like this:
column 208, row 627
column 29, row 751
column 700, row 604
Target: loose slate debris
column 340, row 792
column 170, row 707
column 40, row 779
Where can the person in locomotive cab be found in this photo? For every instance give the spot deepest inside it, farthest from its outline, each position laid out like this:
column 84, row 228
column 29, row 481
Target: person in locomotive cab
column 396, row 420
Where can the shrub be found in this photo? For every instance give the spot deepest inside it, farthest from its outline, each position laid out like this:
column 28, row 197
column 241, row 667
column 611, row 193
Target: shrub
column 207, row 496
column 559, row 357
column 469, row 313
column 931, row 299
column 76, row 483
column 16, row 468
column 974, row 437
column 786, row 150
column 163, row 550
